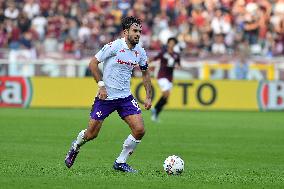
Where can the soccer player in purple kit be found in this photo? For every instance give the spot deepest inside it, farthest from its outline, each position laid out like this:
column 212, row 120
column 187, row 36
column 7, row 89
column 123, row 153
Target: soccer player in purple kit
column 169, row 59
column 119, row 58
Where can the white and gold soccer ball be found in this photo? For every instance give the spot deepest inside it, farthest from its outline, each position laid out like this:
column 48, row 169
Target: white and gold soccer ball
column 173, row 165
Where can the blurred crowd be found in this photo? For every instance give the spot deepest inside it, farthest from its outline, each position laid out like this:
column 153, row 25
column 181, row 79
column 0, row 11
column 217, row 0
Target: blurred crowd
column 78, row 28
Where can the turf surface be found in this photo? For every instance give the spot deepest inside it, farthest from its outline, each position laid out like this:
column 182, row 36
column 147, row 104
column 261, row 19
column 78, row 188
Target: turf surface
column 220, row 150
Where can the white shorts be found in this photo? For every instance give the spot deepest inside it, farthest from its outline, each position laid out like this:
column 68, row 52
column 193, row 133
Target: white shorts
column 165, row 84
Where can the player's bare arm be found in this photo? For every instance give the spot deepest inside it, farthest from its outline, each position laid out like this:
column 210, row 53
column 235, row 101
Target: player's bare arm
column 93, row 65
column 178, row 67
column 148, row 88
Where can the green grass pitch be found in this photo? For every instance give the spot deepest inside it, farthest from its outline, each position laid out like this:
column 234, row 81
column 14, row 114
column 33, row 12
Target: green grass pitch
column 220, row 150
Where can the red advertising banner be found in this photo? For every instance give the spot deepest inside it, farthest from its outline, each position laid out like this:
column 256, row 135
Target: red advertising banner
column 15, row 92
column 271, row 95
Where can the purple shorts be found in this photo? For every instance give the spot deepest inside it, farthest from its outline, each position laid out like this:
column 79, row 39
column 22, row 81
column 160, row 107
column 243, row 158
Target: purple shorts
column 124, row 106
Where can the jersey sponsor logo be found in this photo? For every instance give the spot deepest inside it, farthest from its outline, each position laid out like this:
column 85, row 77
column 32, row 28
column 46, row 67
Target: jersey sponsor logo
column 15, row 92
column 122, row 51
column 126, row 63
column 271, row 95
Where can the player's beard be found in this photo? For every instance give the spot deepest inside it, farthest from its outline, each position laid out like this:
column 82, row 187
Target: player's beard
column 132, row 41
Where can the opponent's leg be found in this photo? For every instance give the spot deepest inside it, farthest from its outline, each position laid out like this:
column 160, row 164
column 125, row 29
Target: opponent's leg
column 85, row 135
column 136, row 125
column 160, row 104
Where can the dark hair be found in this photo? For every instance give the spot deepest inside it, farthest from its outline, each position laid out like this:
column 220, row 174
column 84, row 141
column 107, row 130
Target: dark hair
column 174, row 39
column 128, row 21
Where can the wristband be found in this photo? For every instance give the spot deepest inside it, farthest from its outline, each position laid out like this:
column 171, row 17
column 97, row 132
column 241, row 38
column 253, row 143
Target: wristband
column 101, row 84
column 144, row 68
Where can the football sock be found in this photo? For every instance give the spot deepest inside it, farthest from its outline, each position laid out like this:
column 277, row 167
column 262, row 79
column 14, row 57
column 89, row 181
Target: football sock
column 160, row 104
column 80, row 141
column 128, row 146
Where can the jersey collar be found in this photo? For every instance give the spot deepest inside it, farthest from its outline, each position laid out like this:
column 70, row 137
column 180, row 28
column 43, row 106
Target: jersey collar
column 125, row 46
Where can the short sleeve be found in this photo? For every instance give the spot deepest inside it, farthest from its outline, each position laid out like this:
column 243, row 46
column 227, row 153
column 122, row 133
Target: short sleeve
column 143, row 60
column 107, row 51
column 158, row 56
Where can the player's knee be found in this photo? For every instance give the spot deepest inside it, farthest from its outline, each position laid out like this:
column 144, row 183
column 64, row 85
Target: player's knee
column 139, row 132
column 90, row 135
column 93, row 130
column 166, row 94
column 166, row 100
column 142, row 132
column 93, row 136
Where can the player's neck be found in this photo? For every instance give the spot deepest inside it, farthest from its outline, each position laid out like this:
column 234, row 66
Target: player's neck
column 170, row 51
column 130, row 46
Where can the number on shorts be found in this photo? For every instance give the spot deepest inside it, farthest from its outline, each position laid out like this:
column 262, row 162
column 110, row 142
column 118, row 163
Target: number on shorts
column 135, row 104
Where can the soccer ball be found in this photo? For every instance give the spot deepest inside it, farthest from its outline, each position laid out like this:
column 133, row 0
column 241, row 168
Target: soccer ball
column 173, row 165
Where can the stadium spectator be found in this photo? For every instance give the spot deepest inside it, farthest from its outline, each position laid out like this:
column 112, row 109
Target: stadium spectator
column 50, row 44
column 220, row 24
column 205, row 45
column 26, row 41
column 241, row 65
column 11, row 11
column 39, row 23
column 68, row 45
column 14, row 34
column 24, row 23
column 84, row 32
column 254, row 21
column 124, row 6
column 3, row 36
column 31, row 8
column 218, row 46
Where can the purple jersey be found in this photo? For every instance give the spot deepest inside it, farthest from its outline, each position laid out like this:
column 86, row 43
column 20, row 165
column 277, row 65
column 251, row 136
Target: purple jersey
column 168, row 62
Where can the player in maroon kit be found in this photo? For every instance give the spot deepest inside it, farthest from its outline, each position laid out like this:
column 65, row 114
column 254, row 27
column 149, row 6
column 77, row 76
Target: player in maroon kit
column 169, row 60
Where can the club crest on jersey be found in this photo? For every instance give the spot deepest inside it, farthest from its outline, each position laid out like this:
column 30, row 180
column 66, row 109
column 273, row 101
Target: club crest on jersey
column 136, row 53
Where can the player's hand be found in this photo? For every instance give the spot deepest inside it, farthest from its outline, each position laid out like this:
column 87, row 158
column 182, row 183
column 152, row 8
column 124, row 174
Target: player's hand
column 178, row 67
column 102, row 94
column 148, row 103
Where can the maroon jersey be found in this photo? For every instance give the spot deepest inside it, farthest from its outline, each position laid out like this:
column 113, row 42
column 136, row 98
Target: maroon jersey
column 168, row 62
